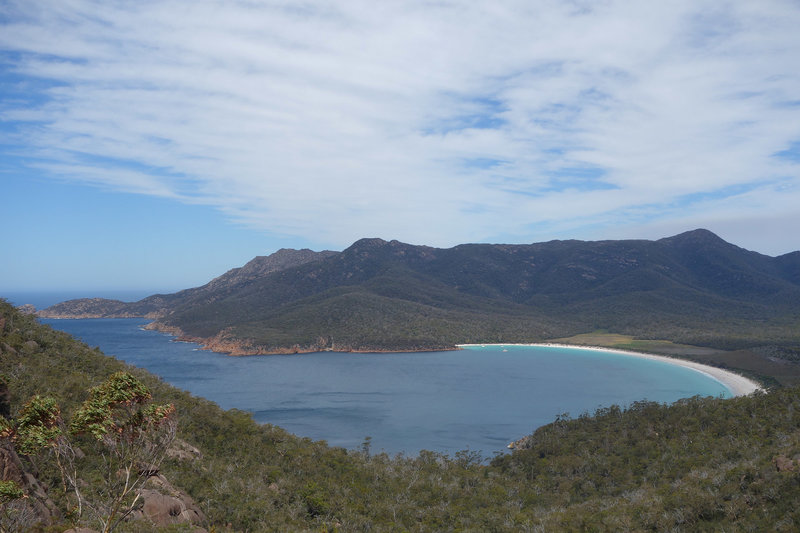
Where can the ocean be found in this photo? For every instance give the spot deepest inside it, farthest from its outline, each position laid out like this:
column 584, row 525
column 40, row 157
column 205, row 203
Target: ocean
column 478, row 398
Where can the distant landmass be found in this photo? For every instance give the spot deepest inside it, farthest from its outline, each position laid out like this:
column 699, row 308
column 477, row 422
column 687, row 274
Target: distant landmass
column 693, row 288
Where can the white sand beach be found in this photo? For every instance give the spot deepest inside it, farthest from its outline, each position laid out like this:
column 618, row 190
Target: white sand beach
column 737, row 384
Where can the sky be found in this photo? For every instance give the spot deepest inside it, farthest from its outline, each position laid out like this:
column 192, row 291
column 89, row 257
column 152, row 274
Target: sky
column 153, row 145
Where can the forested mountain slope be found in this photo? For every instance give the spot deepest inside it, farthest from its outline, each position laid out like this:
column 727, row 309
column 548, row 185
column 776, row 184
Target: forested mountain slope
column 699, row 465
column 377, row 295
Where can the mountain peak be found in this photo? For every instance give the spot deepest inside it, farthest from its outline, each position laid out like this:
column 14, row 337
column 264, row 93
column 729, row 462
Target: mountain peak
column 369, row 242
column 696, row 236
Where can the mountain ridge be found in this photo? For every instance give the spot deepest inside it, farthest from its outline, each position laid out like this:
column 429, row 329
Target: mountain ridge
column 421, row 298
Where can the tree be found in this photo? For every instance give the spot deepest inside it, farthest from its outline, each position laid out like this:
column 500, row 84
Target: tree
column 126, row 437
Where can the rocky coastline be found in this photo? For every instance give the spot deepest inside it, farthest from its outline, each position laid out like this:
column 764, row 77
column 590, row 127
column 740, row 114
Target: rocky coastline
column 224, row 342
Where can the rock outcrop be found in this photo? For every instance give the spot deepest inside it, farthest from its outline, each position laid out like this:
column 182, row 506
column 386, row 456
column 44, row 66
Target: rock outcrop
column 27, row 309
column 183, row 451
column 165, row 505
column 785, row 464
column 36, row 507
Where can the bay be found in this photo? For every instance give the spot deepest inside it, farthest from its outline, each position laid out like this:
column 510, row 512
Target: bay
column 479, row 398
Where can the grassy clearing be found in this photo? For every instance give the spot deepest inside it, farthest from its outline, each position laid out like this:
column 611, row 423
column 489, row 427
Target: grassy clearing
column 762, row 365
column 597, row 338
column 629, row 342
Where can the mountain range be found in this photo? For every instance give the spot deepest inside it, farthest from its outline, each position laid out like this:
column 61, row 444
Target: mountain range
column 382, row 295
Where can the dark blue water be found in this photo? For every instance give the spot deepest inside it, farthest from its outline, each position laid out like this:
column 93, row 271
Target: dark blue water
column 479, row 398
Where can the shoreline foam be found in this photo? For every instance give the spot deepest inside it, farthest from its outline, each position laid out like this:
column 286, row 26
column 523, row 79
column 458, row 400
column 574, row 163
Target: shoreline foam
column 737, row 384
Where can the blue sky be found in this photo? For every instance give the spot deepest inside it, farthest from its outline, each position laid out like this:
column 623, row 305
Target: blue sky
column 155, row 145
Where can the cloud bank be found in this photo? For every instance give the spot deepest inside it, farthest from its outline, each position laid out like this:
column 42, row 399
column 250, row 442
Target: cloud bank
column 431, row 122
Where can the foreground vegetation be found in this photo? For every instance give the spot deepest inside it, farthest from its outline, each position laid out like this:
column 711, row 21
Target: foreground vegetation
column 702, row 464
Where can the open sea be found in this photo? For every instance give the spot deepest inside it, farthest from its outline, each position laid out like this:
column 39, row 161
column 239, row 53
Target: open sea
column 479, row 398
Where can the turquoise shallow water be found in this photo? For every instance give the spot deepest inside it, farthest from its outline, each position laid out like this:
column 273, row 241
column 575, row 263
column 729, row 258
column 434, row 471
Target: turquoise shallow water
column 477, row 398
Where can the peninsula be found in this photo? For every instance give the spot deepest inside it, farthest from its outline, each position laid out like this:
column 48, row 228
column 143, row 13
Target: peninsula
column 693, row 288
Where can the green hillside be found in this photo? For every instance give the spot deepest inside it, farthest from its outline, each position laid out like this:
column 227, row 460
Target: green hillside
column 692, row 288
column 699, row 465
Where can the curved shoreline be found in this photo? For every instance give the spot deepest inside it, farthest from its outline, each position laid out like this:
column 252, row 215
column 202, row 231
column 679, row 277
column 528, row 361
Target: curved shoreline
column 737, row 384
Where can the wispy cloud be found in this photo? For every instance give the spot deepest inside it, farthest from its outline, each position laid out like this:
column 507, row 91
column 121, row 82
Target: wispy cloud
column 432, row 122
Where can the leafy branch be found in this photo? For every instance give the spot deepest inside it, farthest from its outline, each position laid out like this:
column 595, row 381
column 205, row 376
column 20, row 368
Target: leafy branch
column 128, row 434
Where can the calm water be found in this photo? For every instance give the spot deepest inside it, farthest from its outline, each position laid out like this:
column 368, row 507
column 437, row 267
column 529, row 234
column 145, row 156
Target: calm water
column 479, row 398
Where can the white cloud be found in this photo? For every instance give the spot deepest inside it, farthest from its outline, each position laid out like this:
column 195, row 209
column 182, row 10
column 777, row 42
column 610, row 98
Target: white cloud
column 336, row 120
